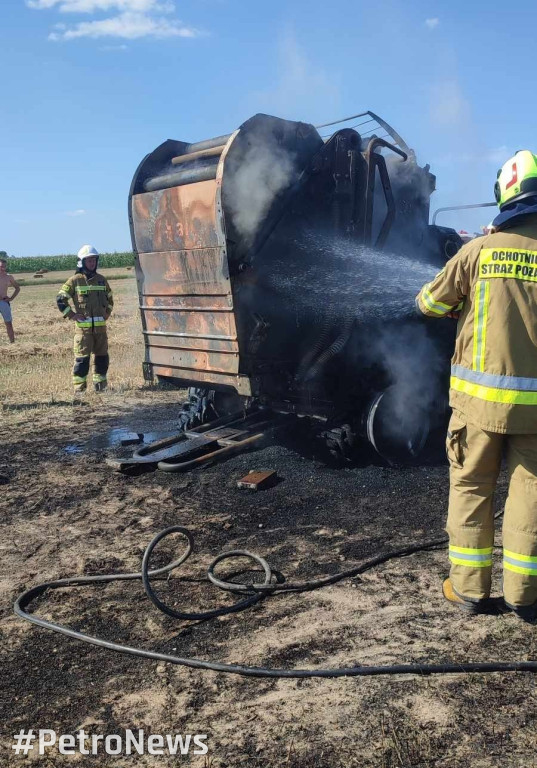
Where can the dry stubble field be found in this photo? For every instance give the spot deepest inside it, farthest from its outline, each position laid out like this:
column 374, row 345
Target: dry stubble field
column 63, row 511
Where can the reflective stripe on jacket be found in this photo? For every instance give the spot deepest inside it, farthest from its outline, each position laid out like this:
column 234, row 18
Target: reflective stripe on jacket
column 494, row 366
column 91, row 297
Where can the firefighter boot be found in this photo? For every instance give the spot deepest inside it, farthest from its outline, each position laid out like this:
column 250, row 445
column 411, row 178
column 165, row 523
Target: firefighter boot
column 101, row 362
column 465, row 605
column 80, row 369
column 485, row 605
column 525, row 612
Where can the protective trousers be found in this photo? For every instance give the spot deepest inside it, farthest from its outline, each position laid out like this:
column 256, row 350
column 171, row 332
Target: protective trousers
column 88, row 341
column 475, row 459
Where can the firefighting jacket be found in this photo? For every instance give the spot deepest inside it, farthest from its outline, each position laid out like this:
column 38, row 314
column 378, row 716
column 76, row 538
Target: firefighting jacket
column 494, row 365
column 90, row 296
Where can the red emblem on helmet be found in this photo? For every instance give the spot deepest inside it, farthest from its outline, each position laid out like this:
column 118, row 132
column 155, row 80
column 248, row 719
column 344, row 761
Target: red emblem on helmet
column 514, row 177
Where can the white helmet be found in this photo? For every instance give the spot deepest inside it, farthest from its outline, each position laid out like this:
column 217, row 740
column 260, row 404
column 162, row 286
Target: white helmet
column 85, row 253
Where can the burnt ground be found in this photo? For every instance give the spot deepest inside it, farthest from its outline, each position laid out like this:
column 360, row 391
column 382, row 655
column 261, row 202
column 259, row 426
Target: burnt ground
column 65, row 512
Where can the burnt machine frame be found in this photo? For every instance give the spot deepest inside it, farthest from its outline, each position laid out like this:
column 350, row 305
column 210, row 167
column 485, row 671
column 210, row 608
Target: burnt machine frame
column 193, row 268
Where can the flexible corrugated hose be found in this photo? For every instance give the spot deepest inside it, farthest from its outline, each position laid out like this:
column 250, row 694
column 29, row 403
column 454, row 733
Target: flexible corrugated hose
column 251, row 593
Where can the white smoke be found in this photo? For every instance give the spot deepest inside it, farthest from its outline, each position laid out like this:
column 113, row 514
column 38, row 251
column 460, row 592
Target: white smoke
column 449, row 106
column 403, row 172
column 414, row 362
column 416, row 398
column 266, row 170
column 304, row 87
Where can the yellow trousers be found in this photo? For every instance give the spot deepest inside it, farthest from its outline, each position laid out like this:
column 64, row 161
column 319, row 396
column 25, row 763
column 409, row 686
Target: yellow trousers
column 475, row 459
column 88, row 341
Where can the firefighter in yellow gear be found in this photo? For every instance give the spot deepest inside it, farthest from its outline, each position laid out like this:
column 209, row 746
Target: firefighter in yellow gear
column 91, row 305
column 492, row 280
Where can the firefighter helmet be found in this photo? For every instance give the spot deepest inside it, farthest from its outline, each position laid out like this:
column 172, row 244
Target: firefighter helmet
column 517, row 179
column 86, row 252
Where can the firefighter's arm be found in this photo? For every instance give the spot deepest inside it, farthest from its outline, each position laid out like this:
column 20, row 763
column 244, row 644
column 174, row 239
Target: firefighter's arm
column 445, row 294
column 62, row 300
column 109, row 299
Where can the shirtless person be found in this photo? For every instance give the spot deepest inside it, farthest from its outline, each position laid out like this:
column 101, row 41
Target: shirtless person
column 6, row 282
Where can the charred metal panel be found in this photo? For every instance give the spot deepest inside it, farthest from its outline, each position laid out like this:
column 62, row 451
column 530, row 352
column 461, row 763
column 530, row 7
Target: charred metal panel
column 184, row 287
column 186, row 302
column 195, row 359
column 203, row 344
column 214, row 303
column 184, row 377
column 267, row 155
column 181, row 218
column 176, row 273
column 188, row 312
column 192, row 324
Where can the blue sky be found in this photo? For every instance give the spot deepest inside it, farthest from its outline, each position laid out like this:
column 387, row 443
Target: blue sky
column 91, row 86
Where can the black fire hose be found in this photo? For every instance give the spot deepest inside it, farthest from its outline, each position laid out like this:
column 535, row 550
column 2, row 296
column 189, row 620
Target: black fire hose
column 334, row 349
column 254, row 592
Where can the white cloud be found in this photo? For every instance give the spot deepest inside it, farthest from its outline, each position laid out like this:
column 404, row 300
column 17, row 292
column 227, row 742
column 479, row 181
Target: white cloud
column 432, row 23
column 134, row 19
column 78, row 212
column 92, row 6
column 114, row 47
column 129, row 26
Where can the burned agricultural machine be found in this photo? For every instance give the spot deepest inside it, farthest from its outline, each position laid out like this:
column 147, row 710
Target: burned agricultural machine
column 276, row 273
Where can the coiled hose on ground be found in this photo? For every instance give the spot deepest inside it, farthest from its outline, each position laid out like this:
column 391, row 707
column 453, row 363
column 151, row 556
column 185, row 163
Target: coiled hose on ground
column 251, row 593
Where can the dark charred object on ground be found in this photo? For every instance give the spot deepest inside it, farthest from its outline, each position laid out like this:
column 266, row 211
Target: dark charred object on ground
column 258, row 480
column 213, row 441
column 232, row 239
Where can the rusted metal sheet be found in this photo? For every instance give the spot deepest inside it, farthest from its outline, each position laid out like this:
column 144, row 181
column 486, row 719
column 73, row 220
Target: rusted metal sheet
column 186, row 377
column 201, row 344
column 193, row 360
column 214, row 303
column 175, row 273
column 186, row 300
column 257, row 481
column 187, row 309
column 192, row 324
column 180, row 218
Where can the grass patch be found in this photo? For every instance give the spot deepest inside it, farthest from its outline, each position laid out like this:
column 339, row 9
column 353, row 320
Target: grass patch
column 59, row 281
column 58, row 278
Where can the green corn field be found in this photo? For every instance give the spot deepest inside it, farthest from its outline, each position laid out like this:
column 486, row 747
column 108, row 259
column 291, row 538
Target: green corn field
column 66, row 261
